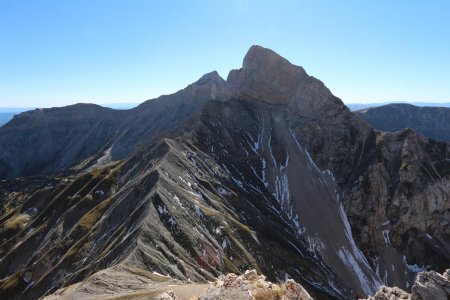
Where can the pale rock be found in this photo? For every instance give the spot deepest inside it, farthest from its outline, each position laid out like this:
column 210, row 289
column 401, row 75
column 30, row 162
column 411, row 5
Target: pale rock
column 250, row 275
column 429, row 285
column 169, row 295
column 295, row 291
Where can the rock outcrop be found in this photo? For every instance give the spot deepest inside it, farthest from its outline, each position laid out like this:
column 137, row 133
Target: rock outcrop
column 427, row 286
column 250, row 286
column 131, row 283
column 398, row 207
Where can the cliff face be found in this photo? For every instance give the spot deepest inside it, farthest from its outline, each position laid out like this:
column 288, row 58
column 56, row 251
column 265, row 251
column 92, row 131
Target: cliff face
column 432, row 122
column 394, row 187
column 267, row 170
column 398, row 207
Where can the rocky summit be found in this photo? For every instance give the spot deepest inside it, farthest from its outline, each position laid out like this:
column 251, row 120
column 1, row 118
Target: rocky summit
column 264, row 171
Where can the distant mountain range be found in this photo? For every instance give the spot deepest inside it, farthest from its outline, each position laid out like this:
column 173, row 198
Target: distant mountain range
column 432, row 122
column 7, row 113
column 358, row 106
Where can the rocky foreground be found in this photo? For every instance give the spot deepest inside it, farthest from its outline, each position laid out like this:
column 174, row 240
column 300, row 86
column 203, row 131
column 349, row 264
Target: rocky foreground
column 129, row 283
column 251, row 286
column 428, row 285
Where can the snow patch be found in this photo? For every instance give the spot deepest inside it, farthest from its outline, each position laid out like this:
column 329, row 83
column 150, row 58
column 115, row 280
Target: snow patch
column 350, row 261
column 387, row 222
column 198, row 211
column 295, row 247
column 222, row 191
column 386, row 236
column 415, row 268
column 156, row 273
column 99, row 192
column 224, row 244
column 369, row 286
column 30, row 211
column 171, row 221
column 177, row 200
column 315, row 245
column 162, row 209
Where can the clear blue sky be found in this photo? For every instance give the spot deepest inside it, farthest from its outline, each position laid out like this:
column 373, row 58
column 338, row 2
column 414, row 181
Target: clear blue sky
column 57, row 52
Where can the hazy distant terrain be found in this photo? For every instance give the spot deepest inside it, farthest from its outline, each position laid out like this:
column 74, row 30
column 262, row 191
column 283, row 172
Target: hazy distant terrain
column 7, row 113
column 432, row 122
column 358, row 106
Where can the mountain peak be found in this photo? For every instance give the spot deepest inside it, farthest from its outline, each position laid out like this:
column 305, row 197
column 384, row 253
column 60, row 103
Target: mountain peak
column 210, row 77
column 259, row 57
column 268, row 77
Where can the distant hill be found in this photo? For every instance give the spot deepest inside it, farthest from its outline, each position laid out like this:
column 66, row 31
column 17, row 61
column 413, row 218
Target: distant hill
column 432, row 122
column 7, row 113
column 359, row 106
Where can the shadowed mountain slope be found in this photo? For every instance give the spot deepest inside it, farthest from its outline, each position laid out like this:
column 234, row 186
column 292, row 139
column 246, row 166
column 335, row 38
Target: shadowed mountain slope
column 46, row 141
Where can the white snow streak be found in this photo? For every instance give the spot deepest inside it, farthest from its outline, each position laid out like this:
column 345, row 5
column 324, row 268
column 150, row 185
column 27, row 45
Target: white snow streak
column 350, row 261
column 385, row 234
column 415, row 268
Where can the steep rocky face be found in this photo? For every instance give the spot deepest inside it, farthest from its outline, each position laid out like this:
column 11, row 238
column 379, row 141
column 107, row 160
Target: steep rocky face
column 418, row 174
column 399, row 206
column 432, row 122
column 340, row 141
column 267, row 151
column 268, row 77
column 259, row 171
